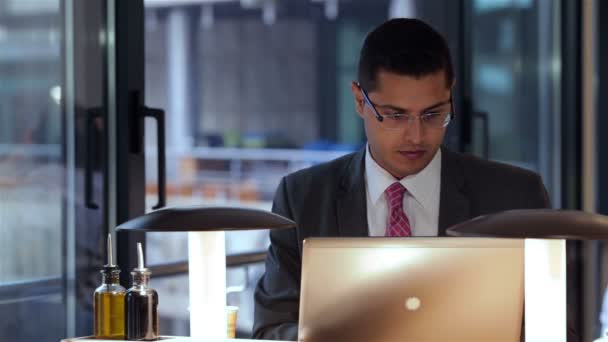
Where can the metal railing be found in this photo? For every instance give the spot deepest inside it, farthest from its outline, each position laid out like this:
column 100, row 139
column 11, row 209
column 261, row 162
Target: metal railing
column 20, row 291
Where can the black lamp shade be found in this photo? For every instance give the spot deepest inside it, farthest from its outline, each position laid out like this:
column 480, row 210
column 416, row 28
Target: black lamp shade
column 200, row 219
column 536, row 224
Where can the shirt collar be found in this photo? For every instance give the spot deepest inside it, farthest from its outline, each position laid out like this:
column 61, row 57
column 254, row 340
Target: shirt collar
column 420, row 186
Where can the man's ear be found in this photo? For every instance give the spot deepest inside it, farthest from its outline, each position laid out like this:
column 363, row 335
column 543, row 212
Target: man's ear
column 357, row 97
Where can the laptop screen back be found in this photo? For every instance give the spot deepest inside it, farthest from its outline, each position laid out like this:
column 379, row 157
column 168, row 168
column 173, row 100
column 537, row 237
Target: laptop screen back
column 411, row 289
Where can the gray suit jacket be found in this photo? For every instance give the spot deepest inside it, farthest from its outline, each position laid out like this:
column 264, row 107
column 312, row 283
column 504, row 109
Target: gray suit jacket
column 329, row 200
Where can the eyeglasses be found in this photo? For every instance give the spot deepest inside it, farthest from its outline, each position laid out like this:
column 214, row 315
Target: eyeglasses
column 399, row 121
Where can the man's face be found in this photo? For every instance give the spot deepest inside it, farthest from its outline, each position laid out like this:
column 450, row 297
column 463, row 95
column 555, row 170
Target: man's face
column 408, row 150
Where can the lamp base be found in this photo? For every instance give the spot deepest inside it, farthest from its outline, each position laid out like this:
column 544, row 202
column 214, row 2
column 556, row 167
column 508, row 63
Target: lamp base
column 207, row 264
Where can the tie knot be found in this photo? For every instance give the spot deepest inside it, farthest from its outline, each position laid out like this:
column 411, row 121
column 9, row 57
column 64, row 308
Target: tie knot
column 394, row 194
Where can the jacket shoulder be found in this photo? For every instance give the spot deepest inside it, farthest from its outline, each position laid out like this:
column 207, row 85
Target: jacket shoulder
column 478, row 167
column 494, row 182
column 327, row 172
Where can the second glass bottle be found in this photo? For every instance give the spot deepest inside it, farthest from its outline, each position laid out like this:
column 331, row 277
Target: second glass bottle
column 141, row 304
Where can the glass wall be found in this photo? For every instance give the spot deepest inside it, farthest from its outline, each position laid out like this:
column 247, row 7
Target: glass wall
column 31, row 172
column 31, row 136
column 50, row 236
column 515, row 63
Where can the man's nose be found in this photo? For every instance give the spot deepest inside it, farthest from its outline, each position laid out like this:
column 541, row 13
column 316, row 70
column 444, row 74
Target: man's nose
column 413, row 131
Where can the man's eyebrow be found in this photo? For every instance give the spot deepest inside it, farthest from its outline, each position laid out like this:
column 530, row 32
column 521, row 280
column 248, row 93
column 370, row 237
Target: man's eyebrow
column 402, row 110
column 438, row 104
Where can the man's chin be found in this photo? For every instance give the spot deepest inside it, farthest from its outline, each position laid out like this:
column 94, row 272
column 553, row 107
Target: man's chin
column 411, row 169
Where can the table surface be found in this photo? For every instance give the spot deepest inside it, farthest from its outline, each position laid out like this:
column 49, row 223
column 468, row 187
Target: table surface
column 165, row 338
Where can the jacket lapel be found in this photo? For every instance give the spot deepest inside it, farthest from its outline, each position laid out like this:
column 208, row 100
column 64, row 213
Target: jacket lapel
column 454, row 204
column 351, row 203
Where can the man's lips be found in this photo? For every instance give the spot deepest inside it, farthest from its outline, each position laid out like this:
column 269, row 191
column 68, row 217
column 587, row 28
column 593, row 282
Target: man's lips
column 412, row 154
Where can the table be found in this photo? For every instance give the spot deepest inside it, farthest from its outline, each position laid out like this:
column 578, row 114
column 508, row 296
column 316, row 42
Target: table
column 166, row 338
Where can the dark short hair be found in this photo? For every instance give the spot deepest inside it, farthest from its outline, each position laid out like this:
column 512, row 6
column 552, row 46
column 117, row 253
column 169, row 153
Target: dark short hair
column 403, row 46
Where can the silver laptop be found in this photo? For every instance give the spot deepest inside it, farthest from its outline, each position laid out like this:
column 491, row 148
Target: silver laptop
column 412, row 289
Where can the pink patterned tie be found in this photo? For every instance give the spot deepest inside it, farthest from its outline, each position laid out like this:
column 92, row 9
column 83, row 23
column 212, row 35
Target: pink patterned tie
column 398, row 224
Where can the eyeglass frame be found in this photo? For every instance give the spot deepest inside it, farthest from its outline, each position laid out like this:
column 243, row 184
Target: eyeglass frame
column 380, row 117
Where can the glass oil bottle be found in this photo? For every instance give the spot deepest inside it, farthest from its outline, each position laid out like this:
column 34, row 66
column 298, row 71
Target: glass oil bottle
column 109, row 302
column 141, row 304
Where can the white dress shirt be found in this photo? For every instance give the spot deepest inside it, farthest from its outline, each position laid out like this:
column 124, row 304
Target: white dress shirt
column 420, row 202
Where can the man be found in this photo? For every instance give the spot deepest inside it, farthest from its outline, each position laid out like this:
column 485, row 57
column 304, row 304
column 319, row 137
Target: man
column 403, row 183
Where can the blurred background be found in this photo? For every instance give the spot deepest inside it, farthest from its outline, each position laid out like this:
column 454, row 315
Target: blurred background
column 253, row 90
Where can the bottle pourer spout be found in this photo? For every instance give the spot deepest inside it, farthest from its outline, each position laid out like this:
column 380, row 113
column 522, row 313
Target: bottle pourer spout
column 140, row 257
column 110, row 252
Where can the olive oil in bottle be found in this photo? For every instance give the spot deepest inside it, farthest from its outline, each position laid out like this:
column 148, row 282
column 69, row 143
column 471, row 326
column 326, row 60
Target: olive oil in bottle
column 109, row 302
column 141, row 304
